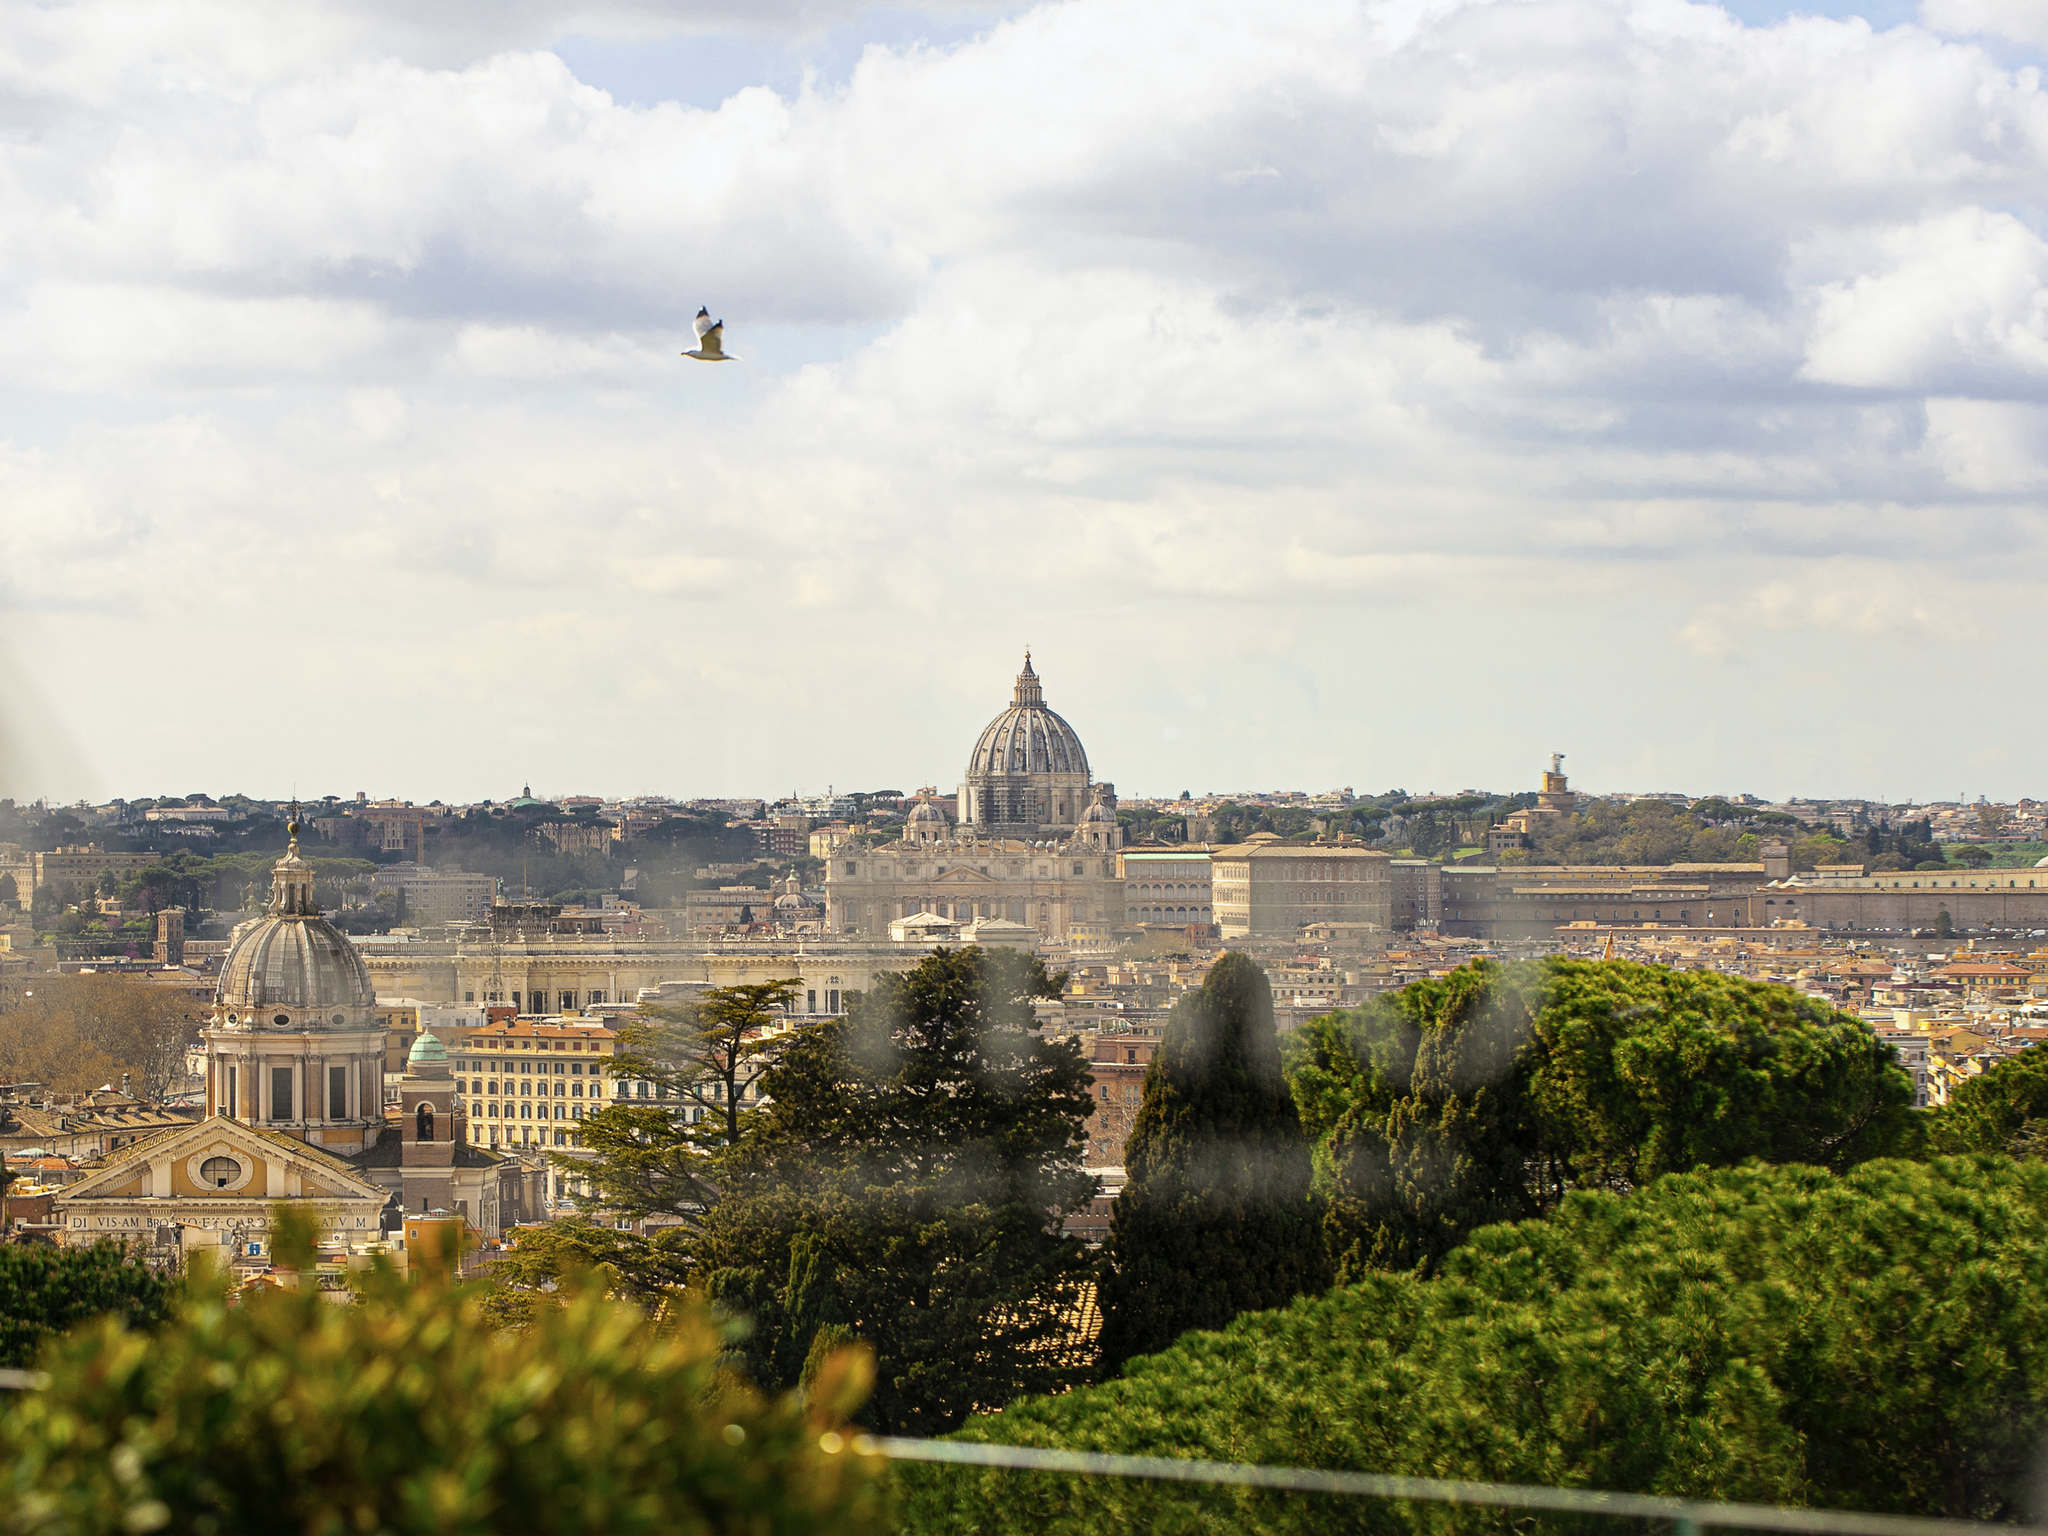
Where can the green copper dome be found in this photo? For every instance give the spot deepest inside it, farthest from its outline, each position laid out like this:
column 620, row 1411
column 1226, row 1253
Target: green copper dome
column 426, row 1049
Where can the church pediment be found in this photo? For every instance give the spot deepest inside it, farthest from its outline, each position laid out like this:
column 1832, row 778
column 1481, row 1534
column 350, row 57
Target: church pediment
column 961, row 874
column 133, row 1180
column 222, row 1159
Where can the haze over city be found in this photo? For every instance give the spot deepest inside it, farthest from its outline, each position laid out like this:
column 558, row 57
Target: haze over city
column 1382, row 395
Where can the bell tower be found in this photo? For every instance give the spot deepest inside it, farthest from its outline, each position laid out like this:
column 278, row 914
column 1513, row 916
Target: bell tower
column 430, row 1128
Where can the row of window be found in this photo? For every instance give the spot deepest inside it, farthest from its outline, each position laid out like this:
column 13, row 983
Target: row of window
column 505, row 1064
column 488, row 1110
column 539, row 1000
column 527, row 1137
column 282, row 1093
column 574, row 1090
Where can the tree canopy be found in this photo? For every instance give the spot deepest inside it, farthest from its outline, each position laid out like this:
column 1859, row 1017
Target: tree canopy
column 1873, row 1341
column 1488, row 1094
column 905, row 1181
column 2003, row 1109
column 413, row 1412
column 703, row 1057
column 1217, row 1217
column 46, row 1291
column 907, row 1184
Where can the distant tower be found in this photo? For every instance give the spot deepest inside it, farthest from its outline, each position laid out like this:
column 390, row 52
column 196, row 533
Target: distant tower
column 1556, row 798
column 428, row 1129
column 1555, row 802
column 170, row 937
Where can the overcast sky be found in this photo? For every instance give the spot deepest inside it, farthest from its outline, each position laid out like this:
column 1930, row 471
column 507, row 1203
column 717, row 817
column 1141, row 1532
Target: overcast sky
column 1383, row 394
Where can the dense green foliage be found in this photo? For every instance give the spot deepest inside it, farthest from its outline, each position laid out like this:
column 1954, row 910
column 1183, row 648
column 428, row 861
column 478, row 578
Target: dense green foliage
column 543, row 852
column 647, row 1157
column 45, row 1291
column 411, row 1413
column 1875, row 1341
column 1658, row 832
column 1217, row 1218
column 704, row 1055
column 1425, row 827
column 1488, row 1094
column 907, row 1184
column 2005, row 1109
column 1716, row 831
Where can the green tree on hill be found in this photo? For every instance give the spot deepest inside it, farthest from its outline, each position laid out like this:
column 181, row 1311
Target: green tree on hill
column 1874, row 1341
column 1217, row 1217
column 1489, row 1094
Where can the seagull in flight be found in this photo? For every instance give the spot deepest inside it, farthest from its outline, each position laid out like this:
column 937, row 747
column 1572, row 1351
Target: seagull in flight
column 710, row 340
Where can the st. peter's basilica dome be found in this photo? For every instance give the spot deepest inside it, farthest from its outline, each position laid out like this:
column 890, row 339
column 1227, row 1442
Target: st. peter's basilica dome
column 1028, row 772
column 1027, row 737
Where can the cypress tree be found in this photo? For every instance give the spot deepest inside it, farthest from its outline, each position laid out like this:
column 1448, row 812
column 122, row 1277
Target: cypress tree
column 1218, row 1216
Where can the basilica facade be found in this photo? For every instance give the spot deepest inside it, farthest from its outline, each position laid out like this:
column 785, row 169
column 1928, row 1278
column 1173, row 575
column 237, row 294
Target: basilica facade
column 1035, row 840
column 296, row 1107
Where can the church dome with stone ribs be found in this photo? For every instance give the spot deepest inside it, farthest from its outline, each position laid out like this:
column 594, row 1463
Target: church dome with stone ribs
column 1028, row 771
column 291, row 968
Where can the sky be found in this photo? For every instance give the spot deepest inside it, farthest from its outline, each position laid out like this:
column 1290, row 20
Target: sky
column 1383, row 394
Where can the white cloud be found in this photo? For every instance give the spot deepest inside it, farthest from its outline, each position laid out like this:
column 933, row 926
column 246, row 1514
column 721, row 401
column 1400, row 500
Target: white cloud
column 1459, row 335
column 1995, row 447
column 1842, row 599
column 1957, row 299
column 2021, row 21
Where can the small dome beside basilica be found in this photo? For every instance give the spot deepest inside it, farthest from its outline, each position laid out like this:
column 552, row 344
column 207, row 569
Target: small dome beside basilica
column 926, row 823
column 793, row 901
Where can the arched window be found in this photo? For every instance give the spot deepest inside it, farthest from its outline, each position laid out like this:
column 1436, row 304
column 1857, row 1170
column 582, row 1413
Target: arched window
column 423, row 1122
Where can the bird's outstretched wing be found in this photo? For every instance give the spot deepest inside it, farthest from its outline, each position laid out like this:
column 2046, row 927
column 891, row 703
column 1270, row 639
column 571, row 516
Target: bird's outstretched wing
column 710, row 346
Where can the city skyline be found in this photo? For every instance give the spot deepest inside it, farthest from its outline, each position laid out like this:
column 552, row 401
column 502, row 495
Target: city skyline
column 380, row 788
column 1425, row 388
